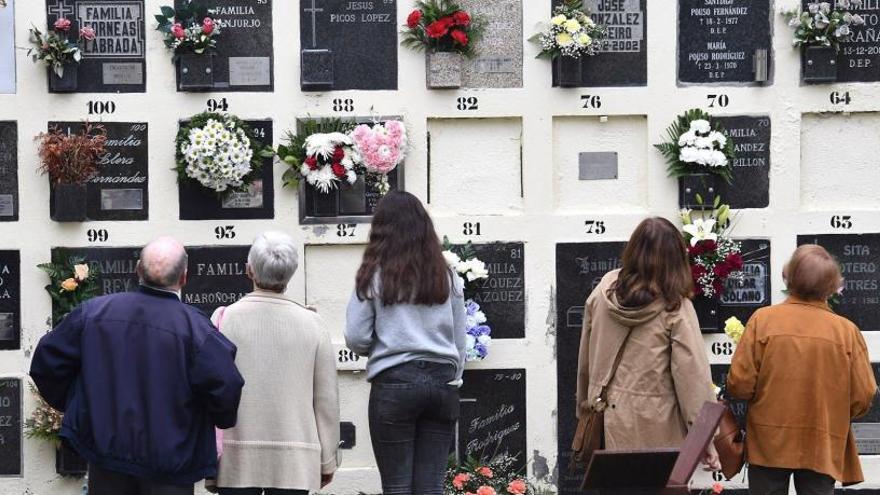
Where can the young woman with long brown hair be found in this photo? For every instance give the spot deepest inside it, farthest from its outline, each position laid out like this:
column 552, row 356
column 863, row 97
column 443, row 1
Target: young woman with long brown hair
column 644, row 311
column 407, row 314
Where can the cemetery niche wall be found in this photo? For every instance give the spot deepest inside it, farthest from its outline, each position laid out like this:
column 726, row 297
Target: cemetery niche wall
column 8, row 171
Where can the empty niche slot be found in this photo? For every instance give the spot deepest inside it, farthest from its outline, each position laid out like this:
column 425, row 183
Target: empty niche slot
column 839, row 161
column 476, row 166
column 330, row 272
column 354, row 393
column 600, row 163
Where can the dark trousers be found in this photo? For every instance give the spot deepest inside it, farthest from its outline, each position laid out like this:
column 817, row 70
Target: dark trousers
column 102, row 482
column 260, row 491
column 775, row 481
column 412, row 423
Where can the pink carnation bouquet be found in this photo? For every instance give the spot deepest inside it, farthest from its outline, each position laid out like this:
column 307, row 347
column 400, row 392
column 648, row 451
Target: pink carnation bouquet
column 381, row 146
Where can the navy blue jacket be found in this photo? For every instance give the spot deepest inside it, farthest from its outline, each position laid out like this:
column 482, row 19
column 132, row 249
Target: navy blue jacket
column 142, row 379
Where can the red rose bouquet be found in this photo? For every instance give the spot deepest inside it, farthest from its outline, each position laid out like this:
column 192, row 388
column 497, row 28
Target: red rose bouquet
column 713, row 255
column 442, row 26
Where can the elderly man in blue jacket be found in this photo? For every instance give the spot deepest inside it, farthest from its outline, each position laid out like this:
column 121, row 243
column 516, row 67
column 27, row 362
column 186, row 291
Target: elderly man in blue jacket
column 143, row 379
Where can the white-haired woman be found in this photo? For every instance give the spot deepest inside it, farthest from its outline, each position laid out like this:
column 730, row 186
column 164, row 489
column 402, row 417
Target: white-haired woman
column 287, row 435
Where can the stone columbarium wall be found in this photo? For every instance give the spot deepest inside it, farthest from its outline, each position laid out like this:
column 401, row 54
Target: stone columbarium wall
column 546, row 181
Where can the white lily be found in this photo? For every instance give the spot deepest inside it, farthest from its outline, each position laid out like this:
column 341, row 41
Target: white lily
column 701, row 230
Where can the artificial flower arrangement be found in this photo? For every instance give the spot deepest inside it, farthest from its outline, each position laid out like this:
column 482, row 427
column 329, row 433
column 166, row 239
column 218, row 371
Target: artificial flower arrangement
column 61, row 51
column 71, row 283
column 70, row 161
column 820, row 28
column 463, row 260
column 45, row 421
column 714, row 256
column 447, row 32
column 697, row 150
column 191, row 34
column 498, row 476
column 219, row 152
column 570, row 36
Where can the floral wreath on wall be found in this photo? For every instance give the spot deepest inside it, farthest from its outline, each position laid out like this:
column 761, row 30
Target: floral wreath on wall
column 714, row 256
column 463, row 260
column 698, row 145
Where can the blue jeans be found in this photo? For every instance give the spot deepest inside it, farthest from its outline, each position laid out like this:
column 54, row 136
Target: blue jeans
column 412, row 424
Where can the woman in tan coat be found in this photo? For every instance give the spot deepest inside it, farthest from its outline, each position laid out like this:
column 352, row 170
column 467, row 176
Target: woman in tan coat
column 806, row 374
column 663, row 378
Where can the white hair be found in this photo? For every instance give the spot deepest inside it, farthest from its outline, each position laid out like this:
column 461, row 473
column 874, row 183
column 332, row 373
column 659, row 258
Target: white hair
column 273, row 260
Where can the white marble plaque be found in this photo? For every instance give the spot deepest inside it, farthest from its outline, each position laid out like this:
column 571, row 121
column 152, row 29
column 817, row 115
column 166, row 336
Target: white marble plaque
column 120, row 73
column 7, row 205
column 7, row 48
column 249, row 71
column 122, row 199
column 252, row 198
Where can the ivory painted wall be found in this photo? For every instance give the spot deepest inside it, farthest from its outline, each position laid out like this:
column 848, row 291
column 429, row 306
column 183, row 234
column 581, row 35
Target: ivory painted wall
column 510, row 165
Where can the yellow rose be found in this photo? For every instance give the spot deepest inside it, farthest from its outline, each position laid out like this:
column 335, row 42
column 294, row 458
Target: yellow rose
column 564, row 39
column 572, row 26
column 81, row 272
column 558, row 20
column 69, row 285
column 584, row 40
column 734, row 329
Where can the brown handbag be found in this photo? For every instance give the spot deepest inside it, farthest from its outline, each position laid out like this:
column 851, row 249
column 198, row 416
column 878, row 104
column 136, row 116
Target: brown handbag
column 730, row 443
column 590, row 433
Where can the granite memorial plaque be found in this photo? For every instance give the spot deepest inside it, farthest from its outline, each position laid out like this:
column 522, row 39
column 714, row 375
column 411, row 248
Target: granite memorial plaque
column 859, row 58
column 719, row 41
column 116, row 267
column 216, row 276
column 115, row 61
column 120, row 190
column 739, row 407
column 859, row 258
column 502, row 295
column 743, row 296
column 867, row 428
column 499, row 59
column 597, row 165
column 7, row 47
column 10, row 300
column 579, row 269
column 257, row 202
column 8, row 171
column 243, row 60
column 361, row 38
column 493, row 415
column 10, row 427
column 751, row 167
column 623, row 58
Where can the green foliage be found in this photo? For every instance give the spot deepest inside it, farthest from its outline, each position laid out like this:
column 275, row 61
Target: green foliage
column 64, row 301
column 822, row 24
column 417, row 37
column 187, row 15
column 292, row 151
column 671, row 150
column 54, row 49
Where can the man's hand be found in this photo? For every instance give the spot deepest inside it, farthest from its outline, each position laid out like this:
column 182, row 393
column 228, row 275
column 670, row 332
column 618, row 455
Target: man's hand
column 326, row 479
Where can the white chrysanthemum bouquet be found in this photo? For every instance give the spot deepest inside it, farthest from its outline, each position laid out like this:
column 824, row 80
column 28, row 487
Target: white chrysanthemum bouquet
column 571, row 33
column 330, row 159
column 463, row 260
column 696, row 144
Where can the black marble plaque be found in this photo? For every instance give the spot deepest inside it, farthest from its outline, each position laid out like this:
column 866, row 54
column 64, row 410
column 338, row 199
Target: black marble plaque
column 739, row 407
column 199, row 203
column 859, row 58
column 8, row 171
column 717, row 41
column 116, row 267
column 579, row 269
column 10, row 300
column 502, row 295
column 751, row 167
column 859, row 257
column 10, row 427
column 216, row 276
column 120, row 190
column 623, row 59
column 361, row 37
column 115, row 61
column 243, row 60
column 493, row 415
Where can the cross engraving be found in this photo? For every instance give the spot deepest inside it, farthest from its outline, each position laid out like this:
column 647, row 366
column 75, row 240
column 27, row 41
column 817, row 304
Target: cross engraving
column 314, row 11
column 60, row 9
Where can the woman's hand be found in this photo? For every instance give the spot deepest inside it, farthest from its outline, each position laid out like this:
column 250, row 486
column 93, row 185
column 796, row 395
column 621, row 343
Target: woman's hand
column 711, row 459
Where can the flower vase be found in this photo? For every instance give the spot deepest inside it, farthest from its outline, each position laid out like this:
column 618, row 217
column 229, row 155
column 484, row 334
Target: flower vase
column 68, row 462
column 443, row 70
column 67, row 83
column 708, row 312
column 68, row 203
column 568, row 71
column 819, row 64
column 698, row 191
column 195, row 72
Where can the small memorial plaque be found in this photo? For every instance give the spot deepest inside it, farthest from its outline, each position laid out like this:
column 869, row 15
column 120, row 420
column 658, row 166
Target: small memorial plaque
column 859, row 58
column 499, row 59
column 7, row 47
column 120, row 191
column 493, row 415
column 361, row 38
column 718, row 41
column 116, row 267
column 751, row 167
column 599, row 165
column 217, row 276
column 623, row 57
column 502, row 295
column 859, row 258
column 199, row 203
column 744, row 295
column 8, row 171
column 115, row 62
column 10, row 300
column 10, row 427
column 243, row 60
column 579, row 269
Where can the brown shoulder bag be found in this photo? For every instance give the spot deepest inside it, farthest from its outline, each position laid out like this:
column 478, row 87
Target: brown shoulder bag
column 730, row 443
